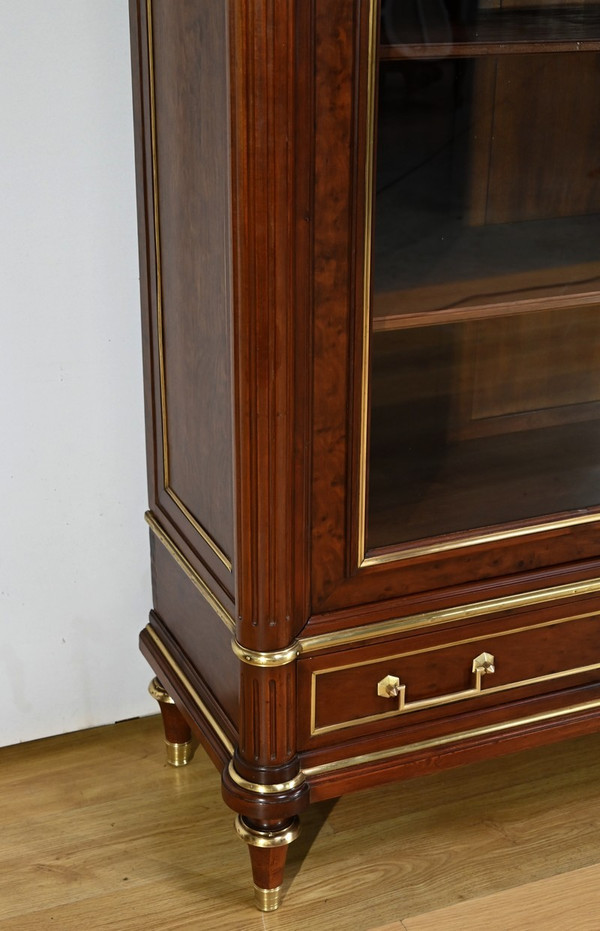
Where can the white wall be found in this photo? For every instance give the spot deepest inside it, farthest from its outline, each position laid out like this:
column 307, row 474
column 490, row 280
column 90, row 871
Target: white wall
column 74, row 578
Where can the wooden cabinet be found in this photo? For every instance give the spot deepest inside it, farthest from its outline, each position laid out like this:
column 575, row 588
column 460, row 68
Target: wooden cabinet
column 370, row 288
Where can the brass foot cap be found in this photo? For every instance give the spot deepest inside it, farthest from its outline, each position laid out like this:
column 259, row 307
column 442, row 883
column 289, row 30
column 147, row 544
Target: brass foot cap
column 179, row 754
column 267, row 900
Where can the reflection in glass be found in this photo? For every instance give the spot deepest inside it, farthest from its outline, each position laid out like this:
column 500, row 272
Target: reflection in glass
column 485, row 371
column 408, row 25
column 483, row 422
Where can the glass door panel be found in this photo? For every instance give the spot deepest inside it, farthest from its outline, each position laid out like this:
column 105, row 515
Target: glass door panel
column 485, row 269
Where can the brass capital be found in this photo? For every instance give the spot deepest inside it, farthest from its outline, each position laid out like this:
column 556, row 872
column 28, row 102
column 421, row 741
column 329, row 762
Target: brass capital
column 256, row 838
column 161, row 695
column 265, row 789
column 274, row 658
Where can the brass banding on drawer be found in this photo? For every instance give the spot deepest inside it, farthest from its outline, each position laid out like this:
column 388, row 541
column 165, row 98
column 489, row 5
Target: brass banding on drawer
column 434, row 677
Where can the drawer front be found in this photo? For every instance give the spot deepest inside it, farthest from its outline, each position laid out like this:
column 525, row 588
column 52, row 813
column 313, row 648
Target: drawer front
column 365, row 690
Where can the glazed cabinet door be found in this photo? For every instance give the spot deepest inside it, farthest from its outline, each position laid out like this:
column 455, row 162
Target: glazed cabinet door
column 457, row 299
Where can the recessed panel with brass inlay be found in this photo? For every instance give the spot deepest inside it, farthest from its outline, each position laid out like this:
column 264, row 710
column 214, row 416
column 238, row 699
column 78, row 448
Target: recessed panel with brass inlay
column 431, row 681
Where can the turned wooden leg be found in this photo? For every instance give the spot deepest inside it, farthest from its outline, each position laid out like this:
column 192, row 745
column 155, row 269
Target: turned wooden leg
column 178, row 736
column 268, row 844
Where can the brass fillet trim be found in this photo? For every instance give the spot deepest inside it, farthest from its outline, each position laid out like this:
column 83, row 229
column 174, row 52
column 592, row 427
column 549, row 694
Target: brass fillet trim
column 267, row 838
column 189, row 570
column 199, row 528
column 442, row 699
column 454, row 643
column 450, row 699
column 380, row 755
column 157, row 243
column 459, row 541
column 366, row 309
column 476, row 540
column 218, row 731
column 159, row 310
column 261, row 789
column 447, row 615
column 276, row 658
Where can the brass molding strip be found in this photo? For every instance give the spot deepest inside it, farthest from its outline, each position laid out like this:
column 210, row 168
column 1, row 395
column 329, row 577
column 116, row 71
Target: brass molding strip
column 276, row 658
column 380, row 755
column 430, row 619
column 454, row 643
column 442, row 699
column 450, row 699
column 219, row 732
column 189, row 570
column 159, row 310
column 261, row 789
column 198, row 527
column 460, row 541
column 369, row 180
column 491, row 537
column 447, row 699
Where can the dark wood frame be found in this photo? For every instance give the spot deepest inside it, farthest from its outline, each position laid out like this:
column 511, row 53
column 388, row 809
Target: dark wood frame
column 295, row 597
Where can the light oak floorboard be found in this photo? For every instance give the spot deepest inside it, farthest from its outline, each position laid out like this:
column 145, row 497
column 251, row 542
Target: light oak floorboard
column 97, row 832
column 568, row 901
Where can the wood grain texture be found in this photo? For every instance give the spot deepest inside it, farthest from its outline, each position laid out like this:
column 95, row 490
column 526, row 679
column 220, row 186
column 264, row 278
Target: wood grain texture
column 335, row 88
column 341, row 150
column 201, row 636
column 98, row 832
column 176, row 728
column 543, row 160
column 268, row 728
column 271, row 99
column 271, row 131
column 345, row 686
column 570, row 900
column 150, row 89
column 192, row 195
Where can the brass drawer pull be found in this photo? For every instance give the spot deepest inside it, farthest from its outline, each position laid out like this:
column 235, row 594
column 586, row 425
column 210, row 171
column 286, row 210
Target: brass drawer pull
column 391, row 687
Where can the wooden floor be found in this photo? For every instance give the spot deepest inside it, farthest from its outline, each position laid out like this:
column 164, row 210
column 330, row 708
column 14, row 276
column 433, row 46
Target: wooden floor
column 97, row 832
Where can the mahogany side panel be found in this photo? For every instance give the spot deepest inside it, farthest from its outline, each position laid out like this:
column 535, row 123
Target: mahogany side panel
column 201, row 637
column 193, row 214
column 182, row 141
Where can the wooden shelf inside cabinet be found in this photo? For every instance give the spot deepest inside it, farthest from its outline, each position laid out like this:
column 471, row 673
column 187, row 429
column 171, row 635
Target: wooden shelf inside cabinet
column 520, row 31
column 499, row 296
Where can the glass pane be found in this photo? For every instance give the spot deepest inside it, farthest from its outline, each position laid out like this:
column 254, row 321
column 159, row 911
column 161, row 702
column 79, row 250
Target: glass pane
column 485, row 368
column 408, row 25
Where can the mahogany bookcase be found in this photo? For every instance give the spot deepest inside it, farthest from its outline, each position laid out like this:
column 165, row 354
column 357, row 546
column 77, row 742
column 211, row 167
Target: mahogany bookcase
column 370, row 286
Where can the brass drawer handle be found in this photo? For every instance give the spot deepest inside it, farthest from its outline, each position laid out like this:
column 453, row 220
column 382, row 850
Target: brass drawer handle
column 391, row 687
